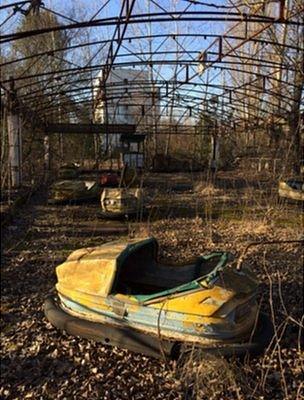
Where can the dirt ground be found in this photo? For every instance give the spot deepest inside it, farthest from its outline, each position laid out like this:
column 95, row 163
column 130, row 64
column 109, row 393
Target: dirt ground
column 40, row 362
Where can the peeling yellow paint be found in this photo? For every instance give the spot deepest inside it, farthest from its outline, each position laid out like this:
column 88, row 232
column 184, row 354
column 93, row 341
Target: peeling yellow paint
column 193, row 303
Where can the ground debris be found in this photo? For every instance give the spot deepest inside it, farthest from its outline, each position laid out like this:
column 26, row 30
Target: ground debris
column 39, row 361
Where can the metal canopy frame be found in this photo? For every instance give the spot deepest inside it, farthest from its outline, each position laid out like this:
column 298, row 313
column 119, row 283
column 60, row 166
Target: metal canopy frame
column 242, row 76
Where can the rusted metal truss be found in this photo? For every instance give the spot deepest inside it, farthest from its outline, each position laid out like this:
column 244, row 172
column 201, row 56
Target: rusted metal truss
column 83, row 129
column 245, row 69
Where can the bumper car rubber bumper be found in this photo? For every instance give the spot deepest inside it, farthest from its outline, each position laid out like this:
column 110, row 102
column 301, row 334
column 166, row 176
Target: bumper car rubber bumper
column 128, row 338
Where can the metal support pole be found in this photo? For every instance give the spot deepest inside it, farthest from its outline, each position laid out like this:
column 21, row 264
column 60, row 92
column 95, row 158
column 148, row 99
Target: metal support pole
column 220, row 49
column 105, row 107
column 282, row 11
column 14, row 140
column 214, row 152
column 47, row 163
column 187, row 74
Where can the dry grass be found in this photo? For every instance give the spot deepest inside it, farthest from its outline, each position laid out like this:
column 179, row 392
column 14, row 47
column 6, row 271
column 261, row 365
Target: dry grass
column 39, row 361
column 207, row 189
column 278, row 373
column 205, row 376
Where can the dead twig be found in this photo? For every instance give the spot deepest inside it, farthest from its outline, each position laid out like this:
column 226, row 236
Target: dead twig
column 263, row 242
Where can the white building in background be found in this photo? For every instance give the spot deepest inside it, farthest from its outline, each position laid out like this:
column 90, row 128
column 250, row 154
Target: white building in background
column 130, row 99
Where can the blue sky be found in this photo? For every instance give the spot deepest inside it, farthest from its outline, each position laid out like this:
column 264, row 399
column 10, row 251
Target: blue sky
column 170, row 47
column 82, row 10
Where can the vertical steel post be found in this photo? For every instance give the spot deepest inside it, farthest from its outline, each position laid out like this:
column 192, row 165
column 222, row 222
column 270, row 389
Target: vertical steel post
column 47, row 164
column 282, row 11
column 105, row 106
column 187, row 74
column 14, row 139
column 220, row 48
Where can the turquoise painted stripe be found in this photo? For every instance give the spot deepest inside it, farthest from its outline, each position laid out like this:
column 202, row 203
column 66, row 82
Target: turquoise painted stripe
column 148, row 317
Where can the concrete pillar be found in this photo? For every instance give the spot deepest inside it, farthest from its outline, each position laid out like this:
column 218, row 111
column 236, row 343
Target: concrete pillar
column 214, row 153
column 15, row 148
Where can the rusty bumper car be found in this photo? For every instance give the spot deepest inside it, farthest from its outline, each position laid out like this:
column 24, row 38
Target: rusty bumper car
column 119, row 294
column 73, row 191
column 68, row 171
column 292, row 189
column 121, row 202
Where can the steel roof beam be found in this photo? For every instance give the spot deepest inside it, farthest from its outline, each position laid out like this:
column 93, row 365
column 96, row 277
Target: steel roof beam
column 89, row 128
column 191, row 16
column 132, row 38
